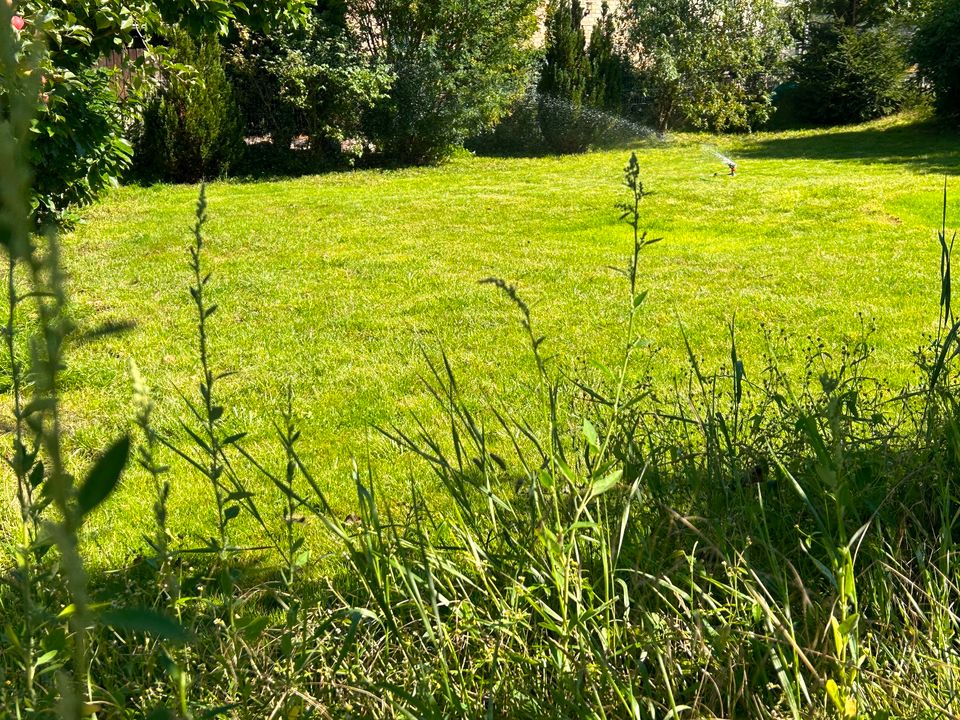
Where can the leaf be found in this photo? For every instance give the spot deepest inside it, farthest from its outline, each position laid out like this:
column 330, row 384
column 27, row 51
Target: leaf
column 252, row 626
column 147, row 621
column 103, row 476
column 231, row 512
column 232, row 439
column 834, row 693
column 45, row 658
column 604, row 484
column 36, row 475
column 590, row 433
column 67, row 611
column 546, row 479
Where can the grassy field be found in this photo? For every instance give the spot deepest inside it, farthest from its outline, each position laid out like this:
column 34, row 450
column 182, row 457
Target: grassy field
column 336, row 284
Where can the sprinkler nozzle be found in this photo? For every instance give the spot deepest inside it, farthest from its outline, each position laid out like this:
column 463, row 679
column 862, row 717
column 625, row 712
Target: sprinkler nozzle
column 733, row 168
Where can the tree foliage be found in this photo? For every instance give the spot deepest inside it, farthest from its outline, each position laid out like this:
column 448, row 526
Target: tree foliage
column 79, row 131
column 191, row 128
column 605, row 85
column 456, row 66
column 936, row 50
column 566, row 69
column 706, row 64
column 581, row 85
column 305, row 79
column 862, row 13
column 848, row 74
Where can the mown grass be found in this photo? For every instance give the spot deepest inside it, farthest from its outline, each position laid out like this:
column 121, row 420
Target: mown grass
column 335, row 283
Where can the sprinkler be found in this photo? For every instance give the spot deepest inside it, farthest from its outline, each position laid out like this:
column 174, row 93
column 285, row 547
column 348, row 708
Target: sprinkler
column 729, row 162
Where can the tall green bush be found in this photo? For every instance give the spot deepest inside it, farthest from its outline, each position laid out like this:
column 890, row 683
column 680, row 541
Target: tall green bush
column 564, row 76
column 707, row 65
column 566, row 69
column 605, row 86
column 304, row 79
column 848, row 74
column 581, row 85
column 456, row 68
column 936, row 50
column 192, row 127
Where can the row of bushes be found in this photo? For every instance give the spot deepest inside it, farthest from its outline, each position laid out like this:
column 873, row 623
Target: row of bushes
column 315, row 86
column 413, row 81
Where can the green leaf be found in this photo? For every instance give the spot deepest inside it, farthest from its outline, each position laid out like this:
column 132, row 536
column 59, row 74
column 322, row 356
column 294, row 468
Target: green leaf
column 252, row 626
column 147, row 621
column 604, row 484
column 590, row 433
column 36, row 475
column 833, row 692
column 231, row 512
column 103, row 476
column 546, row 479
column 45, row 658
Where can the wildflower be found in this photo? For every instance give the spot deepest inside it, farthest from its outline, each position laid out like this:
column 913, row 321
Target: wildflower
column 17, row 23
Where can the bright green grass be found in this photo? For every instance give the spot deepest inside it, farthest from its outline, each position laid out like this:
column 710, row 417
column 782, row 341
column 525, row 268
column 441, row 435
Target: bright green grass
column 334, row 283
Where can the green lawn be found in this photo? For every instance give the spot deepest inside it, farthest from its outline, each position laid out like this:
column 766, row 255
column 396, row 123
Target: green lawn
column 335, row 283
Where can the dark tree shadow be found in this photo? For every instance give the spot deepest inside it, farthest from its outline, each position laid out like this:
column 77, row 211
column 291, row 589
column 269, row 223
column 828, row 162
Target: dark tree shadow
column 926, row 147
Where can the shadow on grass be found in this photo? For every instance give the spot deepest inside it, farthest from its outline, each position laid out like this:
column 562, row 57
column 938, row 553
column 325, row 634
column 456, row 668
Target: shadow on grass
column 926, row 147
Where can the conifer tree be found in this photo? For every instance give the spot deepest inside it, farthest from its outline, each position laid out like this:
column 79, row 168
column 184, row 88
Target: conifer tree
column 605, row 83
column 566, row 67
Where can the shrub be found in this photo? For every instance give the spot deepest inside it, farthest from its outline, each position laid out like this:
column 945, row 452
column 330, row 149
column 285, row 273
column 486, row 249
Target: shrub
column 191, row 128
column 456, row 68
column 846, row 74
column 304, row 79
column 936, row 50
column 518, row 133
column 708, row 65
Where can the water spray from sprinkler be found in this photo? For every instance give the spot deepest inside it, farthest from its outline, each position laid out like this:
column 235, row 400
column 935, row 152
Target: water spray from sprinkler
column 731, row 164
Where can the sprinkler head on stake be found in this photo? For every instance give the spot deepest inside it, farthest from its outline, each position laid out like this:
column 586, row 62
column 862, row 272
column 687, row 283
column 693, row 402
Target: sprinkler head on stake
column 733, row 168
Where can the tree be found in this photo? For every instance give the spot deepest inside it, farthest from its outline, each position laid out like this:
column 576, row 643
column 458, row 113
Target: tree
column 80, row 130
column 848, row 74
column 564, row 77
column 851, row 64
column 566, row 68
column 580, row 87
column 191, row 128
column 706, row 64
column 862, row 13
column 606, row 80
column 936, row 50
column 456, row 66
